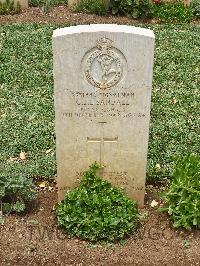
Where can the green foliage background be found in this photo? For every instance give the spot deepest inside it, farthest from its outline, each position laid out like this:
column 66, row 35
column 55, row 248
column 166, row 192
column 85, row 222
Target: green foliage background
column 91, row 6
column 9, row 7
column 131, row 8
column 26, row 98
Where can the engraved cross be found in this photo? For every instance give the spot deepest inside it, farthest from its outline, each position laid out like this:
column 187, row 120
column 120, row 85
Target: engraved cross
column 102, row 140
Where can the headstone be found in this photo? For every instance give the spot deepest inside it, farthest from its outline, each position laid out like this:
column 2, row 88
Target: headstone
column 103, row 79
column 23, row 3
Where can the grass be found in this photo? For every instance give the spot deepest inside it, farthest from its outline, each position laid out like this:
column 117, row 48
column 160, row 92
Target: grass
column 26, row 99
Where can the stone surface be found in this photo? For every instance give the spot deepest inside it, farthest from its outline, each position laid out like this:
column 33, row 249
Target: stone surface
column 103, row 79
column 23, row 3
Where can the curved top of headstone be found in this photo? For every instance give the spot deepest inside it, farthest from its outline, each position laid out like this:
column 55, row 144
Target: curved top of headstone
column 101, row 28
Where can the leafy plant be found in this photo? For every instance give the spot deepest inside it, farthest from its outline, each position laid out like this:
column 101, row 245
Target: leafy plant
column 131, row 8
column 172, row 12
column 91, row 6
column 44, row 2
column 8, row 7
column 15, row 193
column 195, row 5
column 46, row 6
column 96, row 211
column 182, row 200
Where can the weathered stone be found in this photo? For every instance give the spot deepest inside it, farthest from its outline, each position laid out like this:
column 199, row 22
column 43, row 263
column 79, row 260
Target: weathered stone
column 103, row 79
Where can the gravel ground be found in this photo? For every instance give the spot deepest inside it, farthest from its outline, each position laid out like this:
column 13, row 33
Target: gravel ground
column 34, row 239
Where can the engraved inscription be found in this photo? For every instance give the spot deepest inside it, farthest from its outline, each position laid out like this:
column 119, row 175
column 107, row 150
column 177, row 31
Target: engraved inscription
column 98, row 105
column 90, row 114
column 103, row 68
column 119, row 178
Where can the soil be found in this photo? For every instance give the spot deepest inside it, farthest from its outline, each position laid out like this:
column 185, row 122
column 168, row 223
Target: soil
column 63, row 15
column 35, row 239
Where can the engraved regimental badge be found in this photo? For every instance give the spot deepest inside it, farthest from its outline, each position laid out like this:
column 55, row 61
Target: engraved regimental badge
column 103, row 66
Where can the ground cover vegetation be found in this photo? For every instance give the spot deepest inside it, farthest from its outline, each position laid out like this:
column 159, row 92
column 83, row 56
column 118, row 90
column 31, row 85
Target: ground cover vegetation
column 27, row 111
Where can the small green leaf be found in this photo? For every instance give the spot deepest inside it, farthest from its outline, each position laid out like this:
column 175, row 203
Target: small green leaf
column 195, row 221
column 19, row 206
column 33, row 222
column 135, row 13
column 115, row 10
column 1, row 220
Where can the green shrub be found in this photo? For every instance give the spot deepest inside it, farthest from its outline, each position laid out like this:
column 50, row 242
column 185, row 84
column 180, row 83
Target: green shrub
column 172, row 12
column 182, row 200
column 15, row 193
column 45, row 2
column 36, row 2
column 46, row 6
column 131, row 8
column 96, row 211
column 195, row 5
column 8, row 7
column 97, row 7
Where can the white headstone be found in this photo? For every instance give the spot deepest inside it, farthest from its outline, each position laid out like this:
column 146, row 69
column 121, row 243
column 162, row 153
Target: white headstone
column 103, row 79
